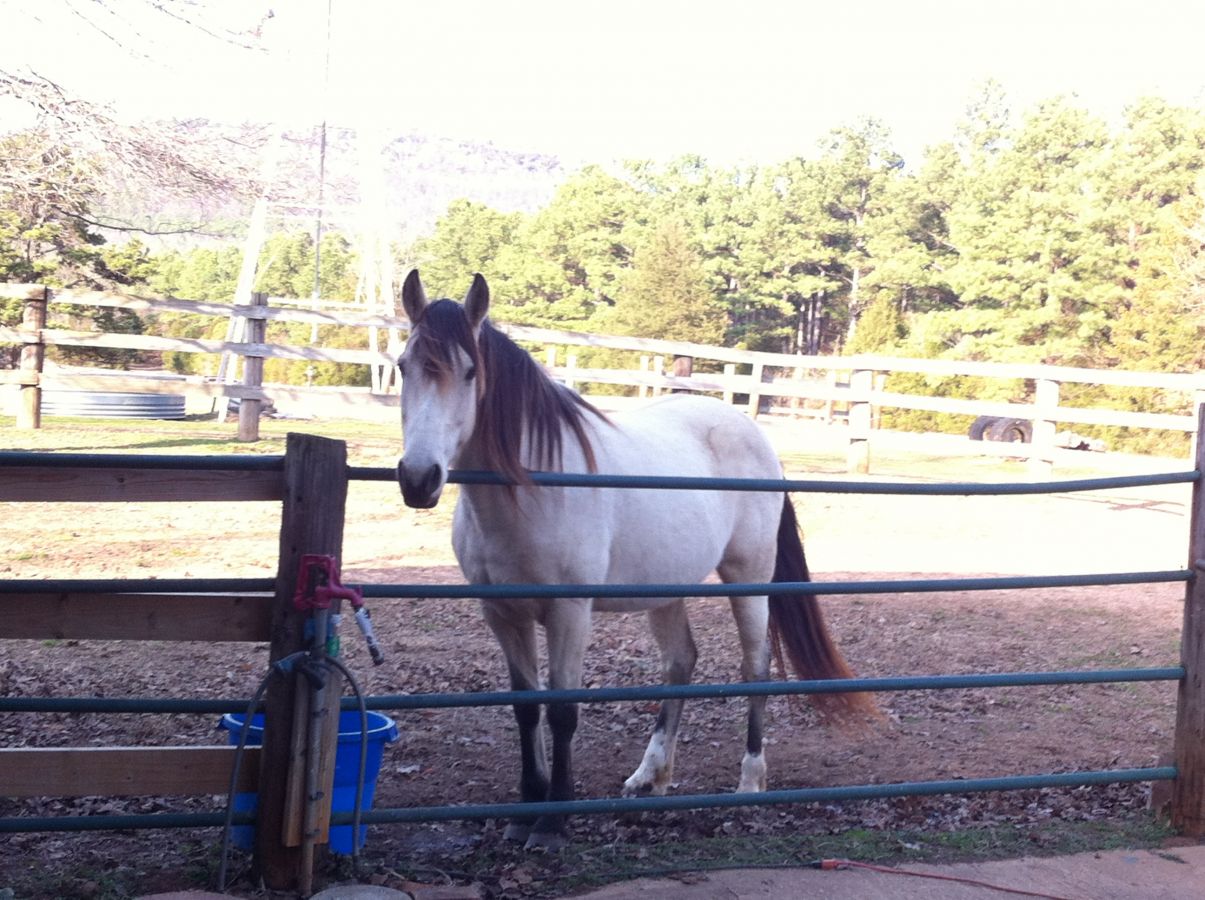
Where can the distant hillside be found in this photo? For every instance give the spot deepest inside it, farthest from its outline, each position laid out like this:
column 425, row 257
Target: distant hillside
column 422, row 176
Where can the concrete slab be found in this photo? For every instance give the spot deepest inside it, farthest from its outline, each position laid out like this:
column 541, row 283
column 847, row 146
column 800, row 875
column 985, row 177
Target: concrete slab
column 1173, row 874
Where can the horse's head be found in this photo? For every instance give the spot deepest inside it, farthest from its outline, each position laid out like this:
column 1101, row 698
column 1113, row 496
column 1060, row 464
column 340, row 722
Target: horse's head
column 442, row 381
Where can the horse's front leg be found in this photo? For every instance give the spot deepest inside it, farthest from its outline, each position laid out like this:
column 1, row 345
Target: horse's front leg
column 567, row 627
column 516, row 634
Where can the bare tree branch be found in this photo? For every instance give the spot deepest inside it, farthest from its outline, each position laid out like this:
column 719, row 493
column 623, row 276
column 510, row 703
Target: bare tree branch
column 230, row 37
column 177, row 160
column 95, row 26
column 114, row 225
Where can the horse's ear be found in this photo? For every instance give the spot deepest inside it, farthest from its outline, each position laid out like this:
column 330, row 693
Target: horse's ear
column 477, row 301
column 414, row 298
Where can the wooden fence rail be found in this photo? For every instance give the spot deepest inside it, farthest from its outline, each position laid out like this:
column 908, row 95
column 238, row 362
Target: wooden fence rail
column 822, row 383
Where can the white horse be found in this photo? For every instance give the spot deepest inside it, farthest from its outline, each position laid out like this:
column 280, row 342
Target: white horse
column 472, row 398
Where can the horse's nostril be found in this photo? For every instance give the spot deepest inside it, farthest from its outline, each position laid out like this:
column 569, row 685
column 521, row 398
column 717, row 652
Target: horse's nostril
column 420, row 490
column 432, row 479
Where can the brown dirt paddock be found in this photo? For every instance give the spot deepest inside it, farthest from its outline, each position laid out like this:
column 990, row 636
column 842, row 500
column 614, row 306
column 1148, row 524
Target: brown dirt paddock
column 469, row 755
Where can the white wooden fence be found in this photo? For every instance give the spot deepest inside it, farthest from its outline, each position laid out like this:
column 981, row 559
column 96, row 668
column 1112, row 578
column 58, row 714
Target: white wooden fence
column 820, row 381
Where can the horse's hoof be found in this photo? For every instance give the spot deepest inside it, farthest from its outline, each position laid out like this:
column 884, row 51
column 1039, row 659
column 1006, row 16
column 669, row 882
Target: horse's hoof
column 644, row 789
column 518, row 832
column 546, row 842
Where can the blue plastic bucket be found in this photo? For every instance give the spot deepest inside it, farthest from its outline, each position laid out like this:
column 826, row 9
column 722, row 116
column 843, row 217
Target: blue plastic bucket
column 381, row 731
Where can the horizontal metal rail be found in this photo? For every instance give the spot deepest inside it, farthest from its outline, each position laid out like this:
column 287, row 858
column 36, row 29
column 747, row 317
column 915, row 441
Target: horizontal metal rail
column 769, row 688
column 765, row 798
column 138, row 586
column 615, row 694
column 227, row 462
column 123, row 822
column 810, row 485
column 903, row 586
column 616, row 805
column 274, row 463
column 520, row 591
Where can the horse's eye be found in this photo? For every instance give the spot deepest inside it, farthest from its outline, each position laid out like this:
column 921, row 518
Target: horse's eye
column 470, row 373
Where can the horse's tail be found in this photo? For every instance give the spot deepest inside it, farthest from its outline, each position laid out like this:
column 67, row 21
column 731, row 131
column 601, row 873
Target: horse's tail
column 797, row 625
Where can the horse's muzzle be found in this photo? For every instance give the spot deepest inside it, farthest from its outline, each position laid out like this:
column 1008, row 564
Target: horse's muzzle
column 421, row 492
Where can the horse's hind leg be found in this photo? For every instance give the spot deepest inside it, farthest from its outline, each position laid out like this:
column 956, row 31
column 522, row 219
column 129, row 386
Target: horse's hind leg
column 517, row 637
column 671, row 628
column 752, row 616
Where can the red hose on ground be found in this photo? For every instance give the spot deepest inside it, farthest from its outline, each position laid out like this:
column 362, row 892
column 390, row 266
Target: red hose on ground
column 828, row 865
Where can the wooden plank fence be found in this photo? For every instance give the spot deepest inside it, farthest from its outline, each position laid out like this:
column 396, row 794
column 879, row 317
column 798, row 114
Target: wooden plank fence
column 311, row 487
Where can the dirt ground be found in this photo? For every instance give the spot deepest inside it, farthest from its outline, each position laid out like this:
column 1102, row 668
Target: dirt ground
column 469, row 755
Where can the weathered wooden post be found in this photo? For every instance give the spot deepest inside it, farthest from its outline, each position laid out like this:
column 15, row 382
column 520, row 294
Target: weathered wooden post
column 729, row 377
column 1046, row 401
column 315, row 500
column 1188, row 790
column 797, row 376
column 570, row 365
column 830, row 379
column 658, row 375
column 682, row 367
column 759, row 370
column 861, row 381
column 253, row 375
column 33, row 355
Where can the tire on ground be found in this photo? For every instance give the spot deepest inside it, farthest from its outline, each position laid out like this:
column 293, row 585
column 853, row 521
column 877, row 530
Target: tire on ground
column 1011, row 431
column 980, row 426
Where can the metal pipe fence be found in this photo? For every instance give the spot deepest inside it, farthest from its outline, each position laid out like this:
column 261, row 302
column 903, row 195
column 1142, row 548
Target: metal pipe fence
column 602, row 695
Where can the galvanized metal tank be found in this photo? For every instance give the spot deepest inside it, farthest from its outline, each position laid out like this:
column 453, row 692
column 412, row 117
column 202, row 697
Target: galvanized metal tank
column 112, row 405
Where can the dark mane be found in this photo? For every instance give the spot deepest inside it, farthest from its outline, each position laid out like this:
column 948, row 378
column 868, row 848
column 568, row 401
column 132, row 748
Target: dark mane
column 516, row 400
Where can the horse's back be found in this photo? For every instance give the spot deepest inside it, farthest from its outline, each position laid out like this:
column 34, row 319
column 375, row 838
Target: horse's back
column 698, row 436
column 683, row 535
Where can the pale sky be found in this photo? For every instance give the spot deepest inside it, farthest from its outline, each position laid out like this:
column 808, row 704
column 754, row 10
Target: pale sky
column 753, row 80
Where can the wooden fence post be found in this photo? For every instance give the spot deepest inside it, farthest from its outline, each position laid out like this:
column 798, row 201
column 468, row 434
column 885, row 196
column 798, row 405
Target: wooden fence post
column 759, row 370
column 729, row 376
column 1188, row 790
column 570, row 365
column 797, row 402
column 253, row 376
column 1046, row 400
column 861, row 381
column 315, row 500
column 658, row 374
column 33, row 355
